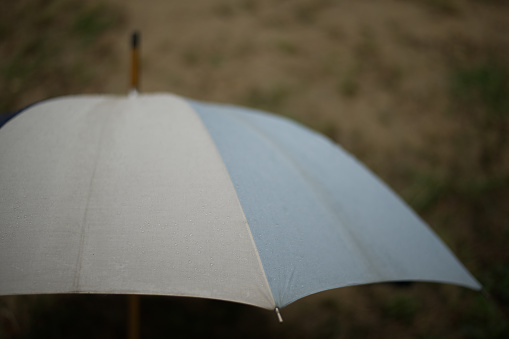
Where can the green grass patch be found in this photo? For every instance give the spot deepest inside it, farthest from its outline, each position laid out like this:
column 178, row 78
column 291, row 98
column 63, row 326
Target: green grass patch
column 91, row 22
column 450, row 7
column 486, row 84
column 349, row 85
column 480, row 97
column 483, row 319
column 48, row 44
column 287, row 47
column 401, row 308
column 425, row 191
column 268, row 99
column 307, row 12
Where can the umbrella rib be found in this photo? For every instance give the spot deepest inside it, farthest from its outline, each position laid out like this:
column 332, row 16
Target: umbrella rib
column 321, row 194
column 270, row 295
column 79, row 259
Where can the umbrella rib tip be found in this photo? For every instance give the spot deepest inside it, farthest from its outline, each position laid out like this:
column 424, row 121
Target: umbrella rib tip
column 279, row 317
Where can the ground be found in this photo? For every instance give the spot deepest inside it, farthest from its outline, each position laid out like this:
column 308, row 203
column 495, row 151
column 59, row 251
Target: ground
column 418, row 90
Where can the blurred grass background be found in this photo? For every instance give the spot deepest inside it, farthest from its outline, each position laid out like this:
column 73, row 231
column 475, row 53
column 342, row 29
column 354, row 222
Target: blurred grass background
column 418, row 90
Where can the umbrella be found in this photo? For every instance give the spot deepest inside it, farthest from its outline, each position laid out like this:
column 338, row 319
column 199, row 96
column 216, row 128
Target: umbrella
column 159, row 194
column 164, row 195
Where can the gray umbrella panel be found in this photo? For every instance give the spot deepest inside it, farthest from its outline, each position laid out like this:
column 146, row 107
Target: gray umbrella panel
column 320, row 218
column 157, row 194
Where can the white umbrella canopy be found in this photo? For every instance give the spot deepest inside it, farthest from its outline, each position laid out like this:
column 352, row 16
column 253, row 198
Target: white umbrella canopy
column 159, row 194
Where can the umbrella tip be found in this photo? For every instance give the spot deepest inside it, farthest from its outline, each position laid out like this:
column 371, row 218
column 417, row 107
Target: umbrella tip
column 279, row 317
column 135, row 82
column 135, row 37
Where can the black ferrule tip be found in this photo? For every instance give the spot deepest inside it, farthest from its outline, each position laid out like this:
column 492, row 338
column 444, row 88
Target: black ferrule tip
column 135, row 39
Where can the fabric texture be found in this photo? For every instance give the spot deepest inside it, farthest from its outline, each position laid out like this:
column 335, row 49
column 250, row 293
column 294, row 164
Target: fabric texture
column 111, row 195
column 319, row 218
column 156, row 194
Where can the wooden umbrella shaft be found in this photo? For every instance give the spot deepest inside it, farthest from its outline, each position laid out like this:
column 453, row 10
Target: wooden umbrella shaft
column 134, row 317
column 134, row 300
